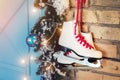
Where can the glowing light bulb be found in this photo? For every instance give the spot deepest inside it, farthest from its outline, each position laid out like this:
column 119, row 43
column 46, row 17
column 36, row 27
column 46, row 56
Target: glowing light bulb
column 25, row 78
column 44, row 42
column 32, row 58
column 34, row 10
column 23, row 61
column 60, row 29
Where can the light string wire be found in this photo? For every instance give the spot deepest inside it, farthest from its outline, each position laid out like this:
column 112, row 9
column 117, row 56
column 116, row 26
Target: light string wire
column 52, row 34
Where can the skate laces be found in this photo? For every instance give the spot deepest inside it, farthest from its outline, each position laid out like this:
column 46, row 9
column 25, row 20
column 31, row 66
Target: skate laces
column 80, row 4
column 80, row 38
column 83, row 42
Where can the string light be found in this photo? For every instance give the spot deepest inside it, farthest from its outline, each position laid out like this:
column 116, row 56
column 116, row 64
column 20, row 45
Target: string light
column 34, row 10
column 60, row 29
column 23, row 61
column 42, row 5
column 44, row 42
column 32, row 58
column 25, row 78
column 49, row 67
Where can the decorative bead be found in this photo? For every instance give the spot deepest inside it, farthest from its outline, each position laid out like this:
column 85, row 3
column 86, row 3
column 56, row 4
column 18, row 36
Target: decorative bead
column 32, row 40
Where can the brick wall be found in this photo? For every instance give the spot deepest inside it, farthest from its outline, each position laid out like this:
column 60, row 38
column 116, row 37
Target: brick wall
column 102, row 18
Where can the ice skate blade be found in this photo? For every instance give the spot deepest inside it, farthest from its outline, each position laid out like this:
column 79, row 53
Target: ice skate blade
column 81, row 67
column 84, row 56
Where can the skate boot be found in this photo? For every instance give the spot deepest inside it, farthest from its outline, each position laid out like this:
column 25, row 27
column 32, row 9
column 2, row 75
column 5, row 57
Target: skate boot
column 88, row 38
column 76, row 42
column 65, row 60
column 70, row 55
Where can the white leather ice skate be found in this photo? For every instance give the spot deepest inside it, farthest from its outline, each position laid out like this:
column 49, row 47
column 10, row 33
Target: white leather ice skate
column 73, row 40
column 83, row 61
column 88, row 38
column 76, row 43
column 62, row 59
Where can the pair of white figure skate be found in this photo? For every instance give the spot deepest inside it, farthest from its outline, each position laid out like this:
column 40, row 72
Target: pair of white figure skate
column 80, row 45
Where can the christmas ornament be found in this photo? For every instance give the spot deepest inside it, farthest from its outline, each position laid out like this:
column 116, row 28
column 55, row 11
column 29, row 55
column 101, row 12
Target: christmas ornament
column 32, row 40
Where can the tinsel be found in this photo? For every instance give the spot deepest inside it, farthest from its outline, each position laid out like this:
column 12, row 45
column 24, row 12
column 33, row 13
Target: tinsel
column 47, row 29
column 60, row 6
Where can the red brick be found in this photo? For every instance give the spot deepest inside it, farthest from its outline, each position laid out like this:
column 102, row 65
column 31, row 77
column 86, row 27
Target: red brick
column 74, row 5
column 81, row 75
column 107, row 3
column 85, row 28
column 105, row 77
column 111, row 67
column 96, row 16
column 69, row 15
column 101, row 16
column 108, row 16
column 104, row 32
column 107, row 50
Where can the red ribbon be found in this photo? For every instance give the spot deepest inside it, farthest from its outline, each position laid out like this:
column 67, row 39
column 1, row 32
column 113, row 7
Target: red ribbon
column 80, row 5
column 81, row 11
